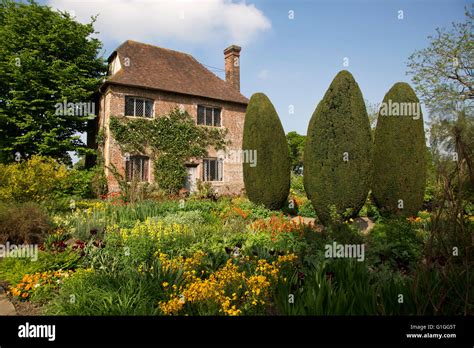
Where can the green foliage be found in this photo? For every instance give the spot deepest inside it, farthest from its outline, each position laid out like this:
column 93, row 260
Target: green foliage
column 338, row 287
column 268, row 182
column 122, row 293
column 170, row 173
column 339, row 129
column 184, row 218
column 204, row 190
column 46, row 57
column 296, row 144
column 23, row 223
column 395, row 244
column 442, row 72
column 399, row 164
column 37, row 179
column 42, row 179
column 297, row 185
column 306, row 209
column 80, row 183
column 12, row 269
column 170, row 140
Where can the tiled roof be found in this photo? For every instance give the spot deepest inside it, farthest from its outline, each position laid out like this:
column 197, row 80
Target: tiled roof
column 163, row 69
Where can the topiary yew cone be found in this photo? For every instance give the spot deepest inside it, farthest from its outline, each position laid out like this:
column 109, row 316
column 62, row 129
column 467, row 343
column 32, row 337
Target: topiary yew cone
column 338, row 151
column 266, row 158
column 399, row 162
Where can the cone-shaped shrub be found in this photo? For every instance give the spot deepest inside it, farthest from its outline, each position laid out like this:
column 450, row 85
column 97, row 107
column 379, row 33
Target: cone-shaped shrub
column 266, row 158
column 399, row 162
column 338, row 151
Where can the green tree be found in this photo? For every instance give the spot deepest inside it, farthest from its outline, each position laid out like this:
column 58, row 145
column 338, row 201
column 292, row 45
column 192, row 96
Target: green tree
column 442, row 74
column 399, row 163
column 46, row 57
column 296, row 144
column 338, row 151
column 170, row 140
column 267, row 181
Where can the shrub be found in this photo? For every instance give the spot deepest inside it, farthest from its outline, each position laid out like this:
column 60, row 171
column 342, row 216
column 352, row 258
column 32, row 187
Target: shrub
column 396, row 244
column 338, row 150
column 84, row 183
column 37, row 179
column 399, row 164
column 268, row 181
column 23, row 223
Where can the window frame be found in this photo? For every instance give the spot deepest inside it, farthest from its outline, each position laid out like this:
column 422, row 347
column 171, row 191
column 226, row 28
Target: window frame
column 219, row 165
column 145, row 168
column 145, row 100
column 213, row 115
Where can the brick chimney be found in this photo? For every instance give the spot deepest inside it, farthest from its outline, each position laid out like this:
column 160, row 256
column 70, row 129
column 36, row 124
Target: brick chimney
column 232, row 66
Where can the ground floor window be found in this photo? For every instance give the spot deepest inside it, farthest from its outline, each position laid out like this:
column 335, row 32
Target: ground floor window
column 212, row 169
column 136, row 167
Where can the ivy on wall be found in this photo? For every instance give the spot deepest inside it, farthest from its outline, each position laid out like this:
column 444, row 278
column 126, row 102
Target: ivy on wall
column 168, row 140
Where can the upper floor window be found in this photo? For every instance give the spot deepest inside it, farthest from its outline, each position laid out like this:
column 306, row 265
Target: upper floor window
column 138, row 107
column 209, row 116
column 213, row 169
column 136, row 167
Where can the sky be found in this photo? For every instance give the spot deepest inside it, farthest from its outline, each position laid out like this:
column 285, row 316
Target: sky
column 291, row 49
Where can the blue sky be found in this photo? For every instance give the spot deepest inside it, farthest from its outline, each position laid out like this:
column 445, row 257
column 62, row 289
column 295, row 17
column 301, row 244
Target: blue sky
column 293, row 61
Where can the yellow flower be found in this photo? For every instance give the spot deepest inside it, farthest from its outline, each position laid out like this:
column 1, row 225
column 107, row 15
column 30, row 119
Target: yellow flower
column 165, row 284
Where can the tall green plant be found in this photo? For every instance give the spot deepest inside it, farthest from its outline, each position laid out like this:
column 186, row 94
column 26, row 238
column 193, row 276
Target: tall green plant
column 267, row 179
column 338, row 151
column 399, row 164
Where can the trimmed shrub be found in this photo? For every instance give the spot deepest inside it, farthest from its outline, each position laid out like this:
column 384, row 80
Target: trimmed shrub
column 267, row 181
column 399, row 163
column 338, row 151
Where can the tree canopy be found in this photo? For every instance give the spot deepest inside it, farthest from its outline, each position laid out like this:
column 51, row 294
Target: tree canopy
column 46, row 59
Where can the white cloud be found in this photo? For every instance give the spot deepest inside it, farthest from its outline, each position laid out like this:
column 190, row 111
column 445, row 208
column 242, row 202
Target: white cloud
column 184, row 20
column 263, row 74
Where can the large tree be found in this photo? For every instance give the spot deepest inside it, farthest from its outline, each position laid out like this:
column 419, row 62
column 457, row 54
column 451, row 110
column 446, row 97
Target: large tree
column 442, row 74
column 46, row 58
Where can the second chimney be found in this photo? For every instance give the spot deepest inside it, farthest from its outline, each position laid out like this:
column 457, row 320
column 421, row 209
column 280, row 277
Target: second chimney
column 232, row 66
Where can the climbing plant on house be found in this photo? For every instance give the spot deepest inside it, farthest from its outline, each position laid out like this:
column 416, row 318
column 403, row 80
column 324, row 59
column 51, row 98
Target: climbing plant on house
column 169, row 140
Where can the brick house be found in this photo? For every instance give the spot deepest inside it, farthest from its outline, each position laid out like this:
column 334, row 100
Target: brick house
column 149, row 81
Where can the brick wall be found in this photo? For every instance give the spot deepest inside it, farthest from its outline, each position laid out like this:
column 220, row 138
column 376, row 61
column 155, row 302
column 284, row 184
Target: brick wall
column 232, row 117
